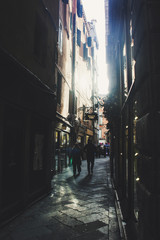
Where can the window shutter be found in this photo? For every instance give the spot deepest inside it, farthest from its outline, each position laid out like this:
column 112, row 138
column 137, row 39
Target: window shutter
column 78, row 37
column 81, row 50
column 84, row 28
column 79, row 8
column 71, row 20
column 89, row 41
column 66, row 18
column 86, row 54
column 65, row 1
column 84, row 51
column 88, row 63
column 92, row 52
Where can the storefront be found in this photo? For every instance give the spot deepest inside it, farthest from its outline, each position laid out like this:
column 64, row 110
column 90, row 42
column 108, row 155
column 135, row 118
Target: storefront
column 81, row 136
column 89, row 133
column 27, row 109
column 62, row 144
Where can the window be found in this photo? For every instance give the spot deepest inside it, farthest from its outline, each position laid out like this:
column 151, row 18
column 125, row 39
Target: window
column 84, row 28
column 85, row 52
column 92, row 52
column 66, row 18
column 59, row 87
column 89, row 63
column 71, row 21
column 89, row 41
column 79, row 8
column 60, row 36
column 78, row 37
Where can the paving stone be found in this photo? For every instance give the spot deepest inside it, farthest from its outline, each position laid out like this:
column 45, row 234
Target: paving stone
column 96, row 235
column 76, row 207
column 104, row 230
column 74, row 213
column 105, row 220
column 79, row 208
column 89, row 218
column 30, row 234
column 67, row 220
column 89, row 227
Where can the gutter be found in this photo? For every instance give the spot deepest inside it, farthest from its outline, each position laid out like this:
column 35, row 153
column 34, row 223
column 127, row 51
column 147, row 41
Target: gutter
column 121, row 222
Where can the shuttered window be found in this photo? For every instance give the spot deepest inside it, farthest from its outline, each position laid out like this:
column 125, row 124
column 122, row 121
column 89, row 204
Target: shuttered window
column 78, row 37
column 66, row 17
column 65, row 1
column 79, row 8
column 89, row 63
column 89, row 41
column 71, row 21
column 85, row 52
column 92, row 52
column 84, row 28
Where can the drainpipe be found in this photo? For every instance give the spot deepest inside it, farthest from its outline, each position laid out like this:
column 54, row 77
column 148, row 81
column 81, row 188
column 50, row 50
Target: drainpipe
column 74, row 8
column 93, row 99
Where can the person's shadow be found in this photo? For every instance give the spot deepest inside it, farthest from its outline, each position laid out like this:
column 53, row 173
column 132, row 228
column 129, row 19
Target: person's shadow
column 82, row 182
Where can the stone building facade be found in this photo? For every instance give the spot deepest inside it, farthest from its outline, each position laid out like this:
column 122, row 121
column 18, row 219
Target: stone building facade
column 75, row 73
column 43, row 95
column 132, row 47
column 28, row 41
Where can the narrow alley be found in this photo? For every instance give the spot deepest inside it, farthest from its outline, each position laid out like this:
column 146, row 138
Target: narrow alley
column 77, row 208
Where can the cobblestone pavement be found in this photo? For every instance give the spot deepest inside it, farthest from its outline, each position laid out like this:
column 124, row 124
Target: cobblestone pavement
column 78, row 208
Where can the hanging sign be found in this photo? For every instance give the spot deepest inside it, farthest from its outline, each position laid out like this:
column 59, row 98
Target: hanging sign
column 91, row 116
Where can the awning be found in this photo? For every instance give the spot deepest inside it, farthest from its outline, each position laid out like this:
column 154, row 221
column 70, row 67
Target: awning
column 63, row 120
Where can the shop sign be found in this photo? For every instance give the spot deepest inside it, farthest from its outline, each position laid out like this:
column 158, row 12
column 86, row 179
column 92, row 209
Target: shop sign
column 91, row 116
column 89, row 132
column 64, row 127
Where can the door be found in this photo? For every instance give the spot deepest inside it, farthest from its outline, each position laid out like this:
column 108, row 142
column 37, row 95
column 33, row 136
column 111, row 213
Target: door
column 12, row 156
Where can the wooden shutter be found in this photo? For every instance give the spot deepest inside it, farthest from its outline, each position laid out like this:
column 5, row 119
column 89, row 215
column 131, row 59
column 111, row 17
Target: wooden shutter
column 65, row 1
column 89, row 41
column 78, row 37
column 92, row 52
column 79, row 8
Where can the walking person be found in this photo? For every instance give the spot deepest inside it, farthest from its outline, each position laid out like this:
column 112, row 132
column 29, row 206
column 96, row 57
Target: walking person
column 76, row 154
column 90, row 150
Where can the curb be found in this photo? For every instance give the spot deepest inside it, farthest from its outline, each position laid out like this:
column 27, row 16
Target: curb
column 121, row 223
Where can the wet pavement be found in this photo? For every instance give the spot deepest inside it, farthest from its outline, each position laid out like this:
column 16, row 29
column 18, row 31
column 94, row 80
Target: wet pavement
column 77, row 208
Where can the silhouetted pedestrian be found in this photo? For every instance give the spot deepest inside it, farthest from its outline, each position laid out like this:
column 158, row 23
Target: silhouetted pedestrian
column 76, row 158
column 104, row 150
column 90, row 150
column 98, row 151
